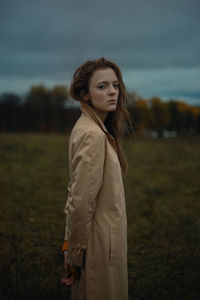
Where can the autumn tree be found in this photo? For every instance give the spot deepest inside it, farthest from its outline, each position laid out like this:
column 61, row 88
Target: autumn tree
column 140, row 112
column 159, row 116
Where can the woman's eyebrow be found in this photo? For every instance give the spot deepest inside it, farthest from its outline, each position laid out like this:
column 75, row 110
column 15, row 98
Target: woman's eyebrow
column 107, row 81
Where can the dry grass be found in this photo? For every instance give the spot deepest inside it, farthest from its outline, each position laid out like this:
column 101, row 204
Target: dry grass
column 163, row 207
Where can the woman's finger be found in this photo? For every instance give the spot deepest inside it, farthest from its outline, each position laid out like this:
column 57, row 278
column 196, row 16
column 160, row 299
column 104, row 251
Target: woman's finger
column 65, row 260
column 67, row 281
column 65, row 265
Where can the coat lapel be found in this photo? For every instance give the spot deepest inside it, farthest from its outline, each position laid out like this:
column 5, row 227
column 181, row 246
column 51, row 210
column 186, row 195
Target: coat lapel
column 89, row 112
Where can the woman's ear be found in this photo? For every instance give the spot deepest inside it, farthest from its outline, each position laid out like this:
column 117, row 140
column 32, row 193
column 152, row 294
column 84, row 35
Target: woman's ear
column 84, row 96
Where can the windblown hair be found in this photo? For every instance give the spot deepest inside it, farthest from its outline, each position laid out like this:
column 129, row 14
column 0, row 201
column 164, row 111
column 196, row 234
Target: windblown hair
column 114, row 120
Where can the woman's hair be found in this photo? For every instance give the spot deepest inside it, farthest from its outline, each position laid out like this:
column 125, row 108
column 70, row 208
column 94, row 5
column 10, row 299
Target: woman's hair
column 80, row 86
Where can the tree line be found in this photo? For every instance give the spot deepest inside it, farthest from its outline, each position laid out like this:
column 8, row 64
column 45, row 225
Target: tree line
column 45, row 110
column 158, row 116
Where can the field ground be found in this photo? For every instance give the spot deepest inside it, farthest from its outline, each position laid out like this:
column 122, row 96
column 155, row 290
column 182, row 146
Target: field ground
column 162, row 191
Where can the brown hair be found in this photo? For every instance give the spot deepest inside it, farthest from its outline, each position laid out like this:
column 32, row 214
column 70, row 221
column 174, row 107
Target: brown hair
column 113, row 121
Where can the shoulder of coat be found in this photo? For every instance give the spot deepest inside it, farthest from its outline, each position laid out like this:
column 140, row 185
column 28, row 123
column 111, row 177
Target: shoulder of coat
column 85, row 126
column 82, row 135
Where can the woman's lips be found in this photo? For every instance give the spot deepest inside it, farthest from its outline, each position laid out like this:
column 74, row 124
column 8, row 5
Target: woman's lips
column 112, row 101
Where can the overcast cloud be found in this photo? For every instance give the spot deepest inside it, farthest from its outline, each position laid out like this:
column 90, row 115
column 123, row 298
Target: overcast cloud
column 156, row 43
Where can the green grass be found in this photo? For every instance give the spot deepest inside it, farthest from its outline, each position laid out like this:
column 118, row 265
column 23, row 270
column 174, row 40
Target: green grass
column 163, row 209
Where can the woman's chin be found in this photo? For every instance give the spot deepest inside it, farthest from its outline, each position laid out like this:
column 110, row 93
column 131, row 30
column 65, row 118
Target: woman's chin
column 112, row 108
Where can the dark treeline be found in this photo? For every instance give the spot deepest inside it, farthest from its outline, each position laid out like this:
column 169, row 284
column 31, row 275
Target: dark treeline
column 42, row 110
column 45, row 110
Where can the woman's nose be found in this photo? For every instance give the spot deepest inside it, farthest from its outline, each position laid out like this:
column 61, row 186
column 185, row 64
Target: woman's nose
column 111, row 90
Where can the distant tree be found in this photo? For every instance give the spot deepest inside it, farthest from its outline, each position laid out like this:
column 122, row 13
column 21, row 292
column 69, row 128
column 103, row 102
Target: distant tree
column 140, row 111
column 183, row 117
column 191, row 118
column 174, row 123
column 44, row 108
column 37, row 109
column 198, row 123
column 59, row 95
column 159, row 115
column 10, row 112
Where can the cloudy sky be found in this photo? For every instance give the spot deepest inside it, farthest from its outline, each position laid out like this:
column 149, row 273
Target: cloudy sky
column 156, row 43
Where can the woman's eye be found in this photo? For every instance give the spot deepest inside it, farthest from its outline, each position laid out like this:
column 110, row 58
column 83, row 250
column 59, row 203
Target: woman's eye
column 116, row 86
column 101, row 86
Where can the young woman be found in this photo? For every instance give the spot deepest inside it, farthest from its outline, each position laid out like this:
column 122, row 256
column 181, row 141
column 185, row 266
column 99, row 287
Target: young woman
column 95, row 246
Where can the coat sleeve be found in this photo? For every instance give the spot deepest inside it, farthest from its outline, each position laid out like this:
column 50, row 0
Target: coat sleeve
column 87, row 165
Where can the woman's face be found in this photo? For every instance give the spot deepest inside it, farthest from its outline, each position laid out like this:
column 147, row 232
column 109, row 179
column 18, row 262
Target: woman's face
column 103, row 90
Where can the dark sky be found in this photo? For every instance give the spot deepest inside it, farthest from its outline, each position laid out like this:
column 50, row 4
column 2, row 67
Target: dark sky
column 156, row 43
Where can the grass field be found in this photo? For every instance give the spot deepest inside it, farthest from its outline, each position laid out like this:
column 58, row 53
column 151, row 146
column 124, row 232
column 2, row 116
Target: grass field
column 163, row 209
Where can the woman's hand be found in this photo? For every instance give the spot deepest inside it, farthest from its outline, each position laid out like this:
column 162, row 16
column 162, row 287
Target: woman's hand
column 68, row 279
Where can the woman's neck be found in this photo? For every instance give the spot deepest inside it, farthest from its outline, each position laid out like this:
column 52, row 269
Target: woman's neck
column 102, row 114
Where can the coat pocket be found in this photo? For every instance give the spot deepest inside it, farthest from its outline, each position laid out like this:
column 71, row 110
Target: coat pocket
column 118, row 243
column 114, row 246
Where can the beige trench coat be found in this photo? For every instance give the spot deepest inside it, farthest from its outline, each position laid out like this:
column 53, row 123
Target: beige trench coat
column 96, row 223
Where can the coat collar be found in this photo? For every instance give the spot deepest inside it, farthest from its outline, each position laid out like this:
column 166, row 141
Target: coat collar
column 89, row 112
